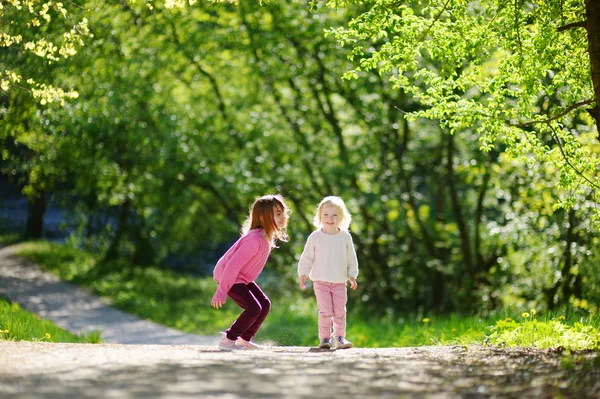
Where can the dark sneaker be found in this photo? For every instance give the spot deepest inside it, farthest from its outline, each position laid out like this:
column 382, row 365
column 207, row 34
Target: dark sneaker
column 341, row 343
column 325, row 343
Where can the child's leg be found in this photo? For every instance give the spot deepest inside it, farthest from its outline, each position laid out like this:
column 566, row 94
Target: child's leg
column 340, row 297
column 265, row 304
column 325, row 304
column 242, row 295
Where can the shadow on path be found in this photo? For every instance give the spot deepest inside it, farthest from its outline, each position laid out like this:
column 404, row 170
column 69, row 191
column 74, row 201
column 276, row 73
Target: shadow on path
column 33, row 370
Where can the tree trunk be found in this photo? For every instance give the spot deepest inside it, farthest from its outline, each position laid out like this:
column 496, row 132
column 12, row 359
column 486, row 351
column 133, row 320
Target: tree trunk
column 568, row 279
column 465, row 243
column 113, row 251
column 144, row 254
column 592, row 9
column 438, row 286
column 35, row 216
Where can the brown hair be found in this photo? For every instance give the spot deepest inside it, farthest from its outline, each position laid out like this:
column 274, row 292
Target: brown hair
column 261, row 215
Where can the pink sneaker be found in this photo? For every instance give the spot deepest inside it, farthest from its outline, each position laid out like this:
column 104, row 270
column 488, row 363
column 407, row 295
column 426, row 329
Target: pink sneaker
column 249, row 345
column 226, row 344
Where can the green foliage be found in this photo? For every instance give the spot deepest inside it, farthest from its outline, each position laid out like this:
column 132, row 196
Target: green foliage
column 552, row 333
column 186, row 113
column 36, row 34
column 17, row 324
column 183, row 302
column 508, row 73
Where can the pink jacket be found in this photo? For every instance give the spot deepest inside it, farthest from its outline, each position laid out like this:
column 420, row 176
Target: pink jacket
column 242, row 263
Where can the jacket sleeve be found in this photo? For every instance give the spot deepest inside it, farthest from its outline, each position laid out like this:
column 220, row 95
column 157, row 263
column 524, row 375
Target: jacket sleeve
column 307, row 258
column 247, row 249
column 351, row 256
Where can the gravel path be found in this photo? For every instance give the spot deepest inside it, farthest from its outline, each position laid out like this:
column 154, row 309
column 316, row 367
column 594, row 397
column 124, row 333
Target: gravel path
column 52, row 370
column 75, row 310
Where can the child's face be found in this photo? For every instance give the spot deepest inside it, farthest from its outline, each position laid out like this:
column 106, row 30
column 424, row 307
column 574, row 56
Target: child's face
column 330, row 216
column 280, row 217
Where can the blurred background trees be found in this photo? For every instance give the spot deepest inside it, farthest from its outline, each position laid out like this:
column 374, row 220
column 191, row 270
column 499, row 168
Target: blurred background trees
column 184, row 115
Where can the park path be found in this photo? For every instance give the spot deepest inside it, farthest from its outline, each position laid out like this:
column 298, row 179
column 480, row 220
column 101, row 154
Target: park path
column 73, row 309
column 58, row 370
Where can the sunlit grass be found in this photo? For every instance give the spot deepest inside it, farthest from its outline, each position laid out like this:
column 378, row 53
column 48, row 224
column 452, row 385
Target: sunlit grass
column 547, row 331
column 183, row 302
column 17, row 324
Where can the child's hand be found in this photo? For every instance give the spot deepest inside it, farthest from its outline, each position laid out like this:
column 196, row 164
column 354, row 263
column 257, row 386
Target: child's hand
column 217, row 304
column 303, row 282
column 353, row 283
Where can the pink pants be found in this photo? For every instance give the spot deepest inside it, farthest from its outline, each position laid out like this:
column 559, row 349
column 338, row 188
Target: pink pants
column 331, row 300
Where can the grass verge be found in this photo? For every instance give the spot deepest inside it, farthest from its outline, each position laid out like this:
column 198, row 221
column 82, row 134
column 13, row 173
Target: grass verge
column 17, row 324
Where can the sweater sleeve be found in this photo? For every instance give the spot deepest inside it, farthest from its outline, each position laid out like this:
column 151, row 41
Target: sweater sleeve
column 307, row 258
column 352, row 260
column 247, row 249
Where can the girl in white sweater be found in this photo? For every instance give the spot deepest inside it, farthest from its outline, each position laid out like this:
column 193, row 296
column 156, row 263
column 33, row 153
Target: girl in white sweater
column 329, row 259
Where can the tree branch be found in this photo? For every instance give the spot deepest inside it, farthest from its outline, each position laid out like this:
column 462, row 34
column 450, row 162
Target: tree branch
column 579, row 24
column 565, row 112
column 174, row 37
column 455, row 202
column 517, row 26
column 437, row 17
column 562, row 151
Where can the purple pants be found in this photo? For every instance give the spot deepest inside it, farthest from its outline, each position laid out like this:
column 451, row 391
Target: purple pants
column 256, row 306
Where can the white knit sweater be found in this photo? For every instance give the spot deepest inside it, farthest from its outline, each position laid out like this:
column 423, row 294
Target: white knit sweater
column 329, row 257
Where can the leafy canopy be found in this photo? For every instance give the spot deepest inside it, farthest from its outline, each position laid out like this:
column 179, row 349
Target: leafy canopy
column 517, row 73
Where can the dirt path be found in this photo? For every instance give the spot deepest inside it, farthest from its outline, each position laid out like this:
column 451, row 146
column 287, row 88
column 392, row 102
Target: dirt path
column 48, row 370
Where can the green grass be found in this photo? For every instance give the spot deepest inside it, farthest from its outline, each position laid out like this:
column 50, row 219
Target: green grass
column 9, row 238
column 548, row 331
column 183, row 302
column 17, row 324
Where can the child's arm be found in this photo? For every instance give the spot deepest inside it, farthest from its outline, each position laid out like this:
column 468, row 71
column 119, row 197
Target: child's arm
column 352, row 263
column 306, row 261
column 246, row 250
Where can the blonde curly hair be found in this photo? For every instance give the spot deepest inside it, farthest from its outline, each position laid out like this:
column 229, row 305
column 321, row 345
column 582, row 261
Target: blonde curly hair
column 345, row 217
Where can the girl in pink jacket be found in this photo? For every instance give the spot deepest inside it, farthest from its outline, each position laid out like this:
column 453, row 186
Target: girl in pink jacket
column 236, row 271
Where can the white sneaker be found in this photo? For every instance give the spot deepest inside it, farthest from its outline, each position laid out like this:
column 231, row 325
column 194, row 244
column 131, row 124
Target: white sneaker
column 341, row 343
column 325, row 343
column 226, row 344
column 249, row 345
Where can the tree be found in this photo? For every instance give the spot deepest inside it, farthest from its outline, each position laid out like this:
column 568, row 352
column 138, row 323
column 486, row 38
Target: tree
column 525, row 75
column 35, row 35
